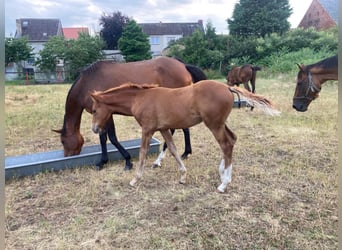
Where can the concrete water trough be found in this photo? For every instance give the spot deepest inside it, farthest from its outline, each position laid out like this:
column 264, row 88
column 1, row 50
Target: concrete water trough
column 24, row 165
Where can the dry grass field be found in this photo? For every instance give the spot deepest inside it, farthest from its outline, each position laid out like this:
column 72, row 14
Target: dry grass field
column 283, row 193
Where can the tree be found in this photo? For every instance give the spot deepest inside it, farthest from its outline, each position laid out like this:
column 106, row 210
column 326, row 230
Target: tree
column 17, row 50
column 53, row 49
column 134, row 44
column 112, row 27
column 76, row 53
column 195, row 51
column 259, row 18
column 83, row 51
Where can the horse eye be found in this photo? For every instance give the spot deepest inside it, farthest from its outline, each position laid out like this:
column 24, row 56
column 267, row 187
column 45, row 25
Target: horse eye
column 94, row 111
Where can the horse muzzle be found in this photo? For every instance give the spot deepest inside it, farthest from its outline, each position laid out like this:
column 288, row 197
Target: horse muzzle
column 97, row 129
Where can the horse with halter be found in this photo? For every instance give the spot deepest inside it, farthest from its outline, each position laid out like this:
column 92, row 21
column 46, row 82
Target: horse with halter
column 102, row 75
column 159, row 109
column 310, row 79
column 243, row 74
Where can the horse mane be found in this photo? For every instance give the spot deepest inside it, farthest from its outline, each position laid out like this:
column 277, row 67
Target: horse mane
column 128, row 85
column 329, row 62
column 92, row 68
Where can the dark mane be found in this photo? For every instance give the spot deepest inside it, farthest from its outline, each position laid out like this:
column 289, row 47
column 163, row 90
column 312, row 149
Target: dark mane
column 329, row 62
column 95, row 66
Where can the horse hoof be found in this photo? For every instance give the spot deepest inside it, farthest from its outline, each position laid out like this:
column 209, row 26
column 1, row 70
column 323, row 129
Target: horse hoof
column 156, row 165
column 133, row 182
column 185, row 155
column 128, row 167
column 99, row 166
column 220, row 189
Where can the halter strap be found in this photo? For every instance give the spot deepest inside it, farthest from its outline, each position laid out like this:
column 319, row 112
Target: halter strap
column 312, row 87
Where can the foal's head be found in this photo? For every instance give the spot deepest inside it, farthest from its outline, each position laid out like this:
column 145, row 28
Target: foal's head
column 307, row 89
column 100, row 112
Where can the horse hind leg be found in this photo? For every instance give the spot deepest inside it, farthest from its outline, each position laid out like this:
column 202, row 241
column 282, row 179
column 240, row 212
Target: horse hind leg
column 225, row 174
column 173, row 150
column 226, row 139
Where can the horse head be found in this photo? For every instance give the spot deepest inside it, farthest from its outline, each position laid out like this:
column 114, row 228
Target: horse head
column 307, row 89
column 72, row 143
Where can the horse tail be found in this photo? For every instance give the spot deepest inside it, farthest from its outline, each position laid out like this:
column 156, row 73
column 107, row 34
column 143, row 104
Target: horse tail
column 196, row 73
column 255, row 100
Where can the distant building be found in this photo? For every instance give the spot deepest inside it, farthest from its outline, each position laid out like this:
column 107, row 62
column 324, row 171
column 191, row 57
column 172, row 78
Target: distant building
column 72, row 33
column 321, row 14
column 161, row 34
column 38, row 31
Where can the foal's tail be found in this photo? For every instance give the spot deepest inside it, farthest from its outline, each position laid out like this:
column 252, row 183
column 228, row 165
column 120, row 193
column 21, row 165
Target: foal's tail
column 256, row 100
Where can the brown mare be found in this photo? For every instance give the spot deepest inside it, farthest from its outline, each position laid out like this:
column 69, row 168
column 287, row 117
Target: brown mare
column 102, row 75
column 310, row 79
column 159, row 109
column 243, row 74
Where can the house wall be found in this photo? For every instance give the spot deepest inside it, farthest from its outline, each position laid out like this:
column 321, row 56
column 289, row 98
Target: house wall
column 317, row 17
column 159, row 43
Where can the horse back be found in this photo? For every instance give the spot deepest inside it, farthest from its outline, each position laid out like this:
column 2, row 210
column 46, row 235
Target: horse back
column 102, row 75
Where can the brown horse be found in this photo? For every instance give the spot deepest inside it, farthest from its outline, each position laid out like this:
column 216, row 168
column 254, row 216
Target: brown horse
column 243, row 74
column 102, row 75
column 309, row 81
column 159, row 109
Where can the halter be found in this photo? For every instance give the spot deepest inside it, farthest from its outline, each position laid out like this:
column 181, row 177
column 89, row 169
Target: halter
column 312, row 87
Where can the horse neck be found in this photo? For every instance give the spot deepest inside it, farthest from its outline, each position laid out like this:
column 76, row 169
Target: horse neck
column 324, row 74
column 73, row 110
column 121, row 102
column 72, row 118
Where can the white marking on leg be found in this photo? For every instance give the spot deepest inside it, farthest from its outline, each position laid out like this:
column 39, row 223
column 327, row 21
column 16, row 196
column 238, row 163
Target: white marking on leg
column 183, row 173
column 226, row 177
column 161, row 156
column 221, row 169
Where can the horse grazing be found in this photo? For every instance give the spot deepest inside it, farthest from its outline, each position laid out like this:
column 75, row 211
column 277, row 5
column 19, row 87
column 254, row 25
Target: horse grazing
column 102, row 75
column 309, row 81
column 159, row 109
column 243, row 74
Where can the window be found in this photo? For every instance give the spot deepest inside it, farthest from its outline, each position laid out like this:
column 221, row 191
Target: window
column 154, row 40
column 170, row 39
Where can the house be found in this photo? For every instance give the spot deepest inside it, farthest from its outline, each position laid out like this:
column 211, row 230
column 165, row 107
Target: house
column 72, row 33
column 161, row 34
column 321, row 14
column 38, row 31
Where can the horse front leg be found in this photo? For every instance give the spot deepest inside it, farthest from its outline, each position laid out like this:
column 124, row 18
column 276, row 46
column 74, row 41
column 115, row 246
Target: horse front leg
column 161, row 156
column 187, row 141
column 172, row 147
column 145, row 143
column 110, row 127
column 104, row 153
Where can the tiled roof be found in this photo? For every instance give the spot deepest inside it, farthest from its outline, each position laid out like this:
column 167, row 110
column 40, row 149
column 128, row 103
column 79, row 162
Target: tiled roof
column 184, row 29
column 38, row 29
column 72, row 33
column 331, row 6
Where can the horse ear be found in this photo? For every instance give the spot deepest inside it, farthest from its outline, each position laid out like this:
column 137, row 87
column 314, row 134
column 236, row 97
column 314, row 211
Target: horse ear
column 301, row 67
column 59, row 131
column 92, row 96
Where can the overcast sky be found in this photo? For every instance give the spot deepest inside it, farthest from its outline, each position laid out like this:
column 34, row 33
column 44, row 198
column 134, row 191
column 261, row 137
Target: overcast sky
column 77, row 13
